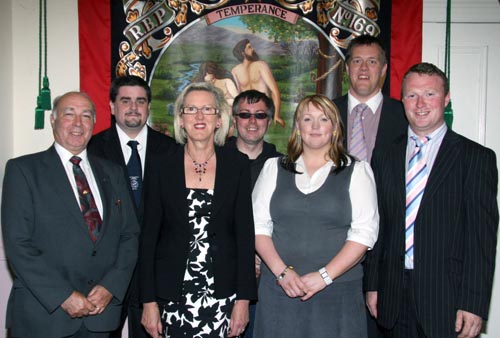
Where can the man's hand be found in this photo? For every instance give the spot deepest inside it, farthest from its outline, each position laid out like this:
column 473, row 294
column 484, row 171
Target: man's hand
column 77, row 306
column 468, row 325
column 371, row 302
column 100, row 297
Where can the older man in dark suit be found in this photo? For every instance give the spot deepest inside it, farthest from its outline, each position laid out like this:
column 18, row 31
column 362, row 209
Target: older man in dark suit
column 381, row 118
column 70, row 233
column 430, row 273
column 132, row 144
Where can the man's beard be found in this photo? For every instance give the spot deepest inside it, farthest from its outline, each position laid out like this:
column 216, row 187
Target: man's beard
column 253, row 57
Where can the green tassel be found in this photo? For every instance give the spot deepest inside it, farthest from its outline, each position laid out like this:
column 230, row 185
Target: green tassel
column 45, row 95
column 39, row 114
column 448, row 115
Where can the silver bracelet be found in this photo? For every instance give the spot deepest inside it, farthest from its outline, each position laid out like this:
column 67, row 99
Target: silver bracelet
column 326, row 277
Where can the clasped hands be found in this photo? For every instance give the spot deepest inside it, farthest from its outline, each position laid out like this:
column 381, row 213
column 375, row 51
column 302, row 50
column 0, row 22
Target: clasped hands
column 304, row 286
column 77, row 305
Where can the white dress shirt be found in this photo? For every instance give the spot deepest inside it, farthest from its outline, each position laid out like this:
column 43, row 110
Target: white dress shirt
column 362, row 192
column 65, row 156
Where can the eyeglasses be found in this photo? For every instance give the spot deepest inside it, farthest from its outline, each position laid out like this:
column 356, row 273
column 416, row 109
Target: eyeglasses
column 258, row 115
column 206, row 110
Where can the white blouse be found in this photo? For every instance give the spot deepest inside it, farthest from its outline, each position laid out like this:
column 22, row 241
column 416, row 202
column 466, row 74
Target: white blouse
column 362, row 192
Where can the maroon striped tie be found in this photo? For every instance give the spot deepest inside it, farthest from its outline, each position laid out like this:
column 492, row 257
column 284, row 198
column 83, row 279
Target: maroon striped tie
column 87, row 202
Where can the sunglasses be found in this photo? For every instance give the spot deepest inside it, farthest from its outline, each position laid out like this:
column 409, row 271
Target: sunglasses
column 247, row 115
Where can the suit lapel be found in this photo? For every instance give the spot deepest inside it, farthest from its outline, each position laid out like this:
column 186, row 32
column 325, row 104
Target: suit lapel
column 112, row 147
column 342, row 106
column 103, row 184
column 384, row 124
column 219, row 188
column 63, row 191
column 399, row 173
column 446, row 157
column 176, row 188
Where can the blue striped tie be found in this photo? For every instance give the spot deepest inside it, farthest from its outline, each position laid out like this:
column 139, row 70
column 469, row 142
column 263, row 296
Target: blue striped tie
column 416, row 179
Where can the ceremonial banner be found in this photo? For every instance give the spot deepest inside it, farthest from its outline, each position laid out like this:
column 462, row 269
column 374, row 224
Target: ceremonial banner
column 295, row 48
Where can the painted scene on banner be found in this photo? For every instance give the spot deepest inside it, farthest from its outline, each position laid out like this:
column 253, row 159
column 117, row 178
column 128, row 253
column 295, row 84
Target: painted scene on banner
column 286, row 49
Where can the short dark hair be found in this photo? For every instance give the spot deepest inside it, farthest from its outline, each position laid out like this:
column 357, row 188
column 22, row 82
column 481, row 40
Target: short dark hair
column 426, row 68
column 253, row 96
column 239, row 48
column 128, row 80
column 365, row 40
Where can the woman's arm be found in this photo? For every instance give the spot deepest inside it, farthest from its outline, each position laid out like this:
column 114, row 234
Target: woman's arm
column 151, row 319
column 261, row 197
column 239, row 318
column 290, row 281
column 361, row 236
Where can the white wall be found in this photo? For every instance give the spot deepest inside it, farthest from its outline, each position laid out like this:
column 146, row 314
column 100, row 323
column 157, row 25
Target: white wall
column 19, row 82
column 474, row 83
column 6, row 134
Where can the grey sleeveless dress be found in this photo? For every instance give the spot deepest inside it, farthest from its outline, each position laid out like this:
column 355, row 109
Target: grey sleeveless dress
column 308, row 231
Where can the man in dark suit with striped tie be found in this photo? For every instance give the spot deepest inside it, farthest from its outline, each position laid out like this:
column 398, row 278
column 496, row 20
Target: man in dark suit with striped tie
column 430, row 273
column 132, row 144
column 69, row 231
column 382, row 117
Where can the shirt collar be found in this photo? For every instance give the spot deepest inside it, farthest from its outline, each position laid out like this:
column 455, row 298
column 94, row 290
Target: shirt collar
column 433, row 137
column 65, row 154
column 124, row 138
column 374, row 102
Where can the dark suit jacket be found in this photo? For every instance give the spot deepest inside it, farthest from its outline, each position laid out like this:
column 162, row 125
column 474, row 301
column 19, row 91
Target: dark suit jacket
column 455, row 235
column 49, row 248
column 106, row 144
column 165, row 238
column 392, row 122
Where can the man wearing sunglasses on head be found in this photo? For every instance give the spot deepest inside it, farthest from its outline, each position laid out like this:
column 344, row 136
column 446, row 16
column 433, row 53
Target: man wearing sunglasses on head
column 253, row 112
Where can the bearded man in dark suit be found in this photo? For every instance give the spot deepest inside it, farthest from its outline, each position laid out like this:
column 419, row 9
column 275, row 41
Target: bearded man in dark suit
column 130, row 101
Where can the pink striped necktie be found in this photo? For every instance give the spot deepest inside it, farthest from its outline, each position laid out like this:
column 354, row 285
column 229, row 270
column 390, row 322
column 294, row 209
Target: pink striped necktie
column 358, row 142
column 416, row 179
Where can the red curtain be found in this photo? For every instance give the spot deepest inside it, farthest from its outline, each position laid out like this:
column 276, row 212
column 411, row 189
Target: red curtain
column 94, row 22
column 406, row 40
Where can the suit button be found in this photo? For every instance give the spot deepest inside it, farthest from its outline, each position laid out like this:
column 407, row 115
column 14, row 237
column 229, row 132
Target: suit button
column 91, row 282
column 94, row 252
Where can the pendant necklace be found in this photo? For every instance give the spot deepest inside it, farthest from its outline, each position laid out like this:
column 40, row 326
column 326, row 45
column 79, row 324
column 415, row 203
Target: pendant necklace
column 200, row 168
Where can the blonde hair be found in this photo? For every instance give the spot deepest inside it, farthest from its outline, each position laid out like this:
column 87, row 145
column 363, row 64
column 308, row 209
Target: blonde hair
column 223, row 111
column 336, row 152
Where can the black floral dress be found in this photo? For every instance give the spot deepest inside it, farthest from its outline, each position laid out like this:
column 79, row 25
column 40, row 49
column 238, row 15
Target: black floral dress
column 198, row 313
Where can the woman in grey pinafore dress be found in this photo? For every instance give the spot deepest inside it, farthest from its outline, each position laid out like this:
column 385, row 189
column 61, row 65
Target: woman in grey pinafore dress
column 315, row 214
